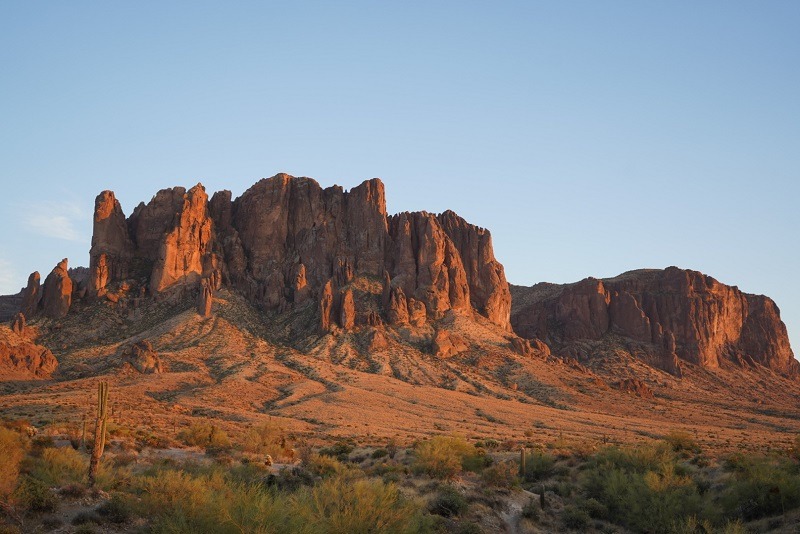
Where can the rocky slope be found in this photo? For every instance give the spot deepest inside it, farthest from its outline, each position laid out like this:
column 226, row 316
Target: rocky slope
column 670, row 316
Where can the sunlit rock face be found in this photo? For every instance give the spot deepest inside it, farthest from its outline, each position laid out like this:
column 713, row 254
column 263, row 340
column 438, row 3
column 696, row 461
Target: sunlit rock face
column 287, row 241
column 681, row 315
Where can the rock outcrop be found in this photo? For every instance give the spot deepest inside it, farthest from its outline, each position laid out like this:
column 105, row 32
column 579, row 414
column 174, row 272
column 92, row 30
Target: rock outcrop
column 285, row 239
column 446, row 344
column 112, row 249
column 143, row 358
column 347, row 311
column 31, row 295
column 22, row 359
column 57, row 292
column 488, row 289
column 675, row 314
column 326, row 309
column 205, row 299
column 18, row 324
column 634, row 386
column 186, row 241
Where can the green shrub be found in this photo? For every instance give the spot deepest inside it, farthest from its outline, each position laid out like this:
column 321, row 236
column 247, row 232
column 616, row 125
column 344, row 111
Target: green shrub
column 501, row 475
column 12, row 450
column 641, row 488
column 575, row 518
column 340, row 504
column 249, row 508
column 266, row 438
column 379, row 453
column 681, row 441
column 57, row 467
column 442, row 456
column 539, row 466
column 205, row 435
column 340, row 450
column 448, row 503
column 594, row 508
column 85, row 516
column 115, row 510
column 35, row 496
column 293, row 478
column 531, row 510
column 324, row 466
column 761, row 487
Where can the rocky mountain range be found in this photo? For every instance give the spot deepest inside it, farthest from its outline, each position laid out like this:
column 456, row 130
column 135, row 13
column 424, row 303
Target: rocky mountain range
column 287, row 241
column 319, row 283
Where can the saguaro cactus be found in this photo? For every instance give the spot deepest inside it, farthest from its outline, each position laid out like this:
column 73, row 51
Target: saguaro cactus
column 83, row 434
column 99, row 430
column 522, row 458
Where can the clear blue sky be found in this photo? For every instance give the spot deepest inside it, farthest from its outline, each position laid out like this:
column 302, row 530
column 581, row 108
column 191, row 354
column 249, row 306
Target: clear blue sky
column 590, row 137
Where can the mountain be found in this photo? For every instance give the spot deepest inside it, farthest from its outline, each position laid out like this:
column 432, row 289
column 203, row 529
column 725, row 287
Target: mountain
column 670, row 316
column 315, row 307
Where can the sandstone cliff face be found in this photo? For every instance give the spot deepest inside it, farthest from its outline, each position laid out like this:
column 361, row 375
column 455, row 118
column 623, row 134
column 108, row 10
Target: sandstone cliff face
column 185, row 243
column 489, row 292
column 424, row 262
column 287, row 241
column 112, row 250
column 680, row 314
column 31, row 295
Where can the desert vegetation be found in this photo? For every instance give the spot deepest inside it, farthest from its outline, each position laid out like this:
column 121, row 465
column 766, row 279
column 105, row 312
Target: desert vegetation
column 208, row 481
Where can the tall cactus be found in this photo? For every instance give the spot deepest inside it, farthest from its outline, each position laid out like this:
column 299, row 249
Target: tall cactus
column 522, row 466
column 83, row 434
column 99, row 430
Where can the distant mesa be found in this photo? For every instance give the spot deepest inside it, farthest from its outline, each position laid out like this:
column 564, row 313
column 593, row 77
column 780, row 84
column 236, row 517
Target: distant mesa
column 672, row 315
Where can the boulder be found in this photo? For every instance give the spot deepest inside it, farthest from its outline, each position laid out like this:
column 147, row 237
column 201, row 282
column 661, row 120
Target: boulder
column 375, row 341
column 447, row 344
column 143, row 358
column 634, row 386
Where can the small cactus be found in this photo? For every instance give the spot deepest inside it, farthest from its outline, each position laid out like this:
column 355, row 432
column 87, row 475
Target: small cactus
column 83, row 435
column 99, row 430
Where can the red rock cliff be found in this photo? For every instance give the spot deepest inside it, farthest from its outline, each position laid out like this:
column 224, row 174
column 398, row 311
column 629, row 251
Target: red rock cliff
column 675, row 311
column 286, row 239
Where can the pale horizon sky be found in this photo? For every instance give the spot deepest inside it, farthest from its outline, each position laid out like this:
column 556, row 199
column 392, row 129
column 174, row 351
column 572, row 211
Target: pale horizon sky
column 591, row 138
